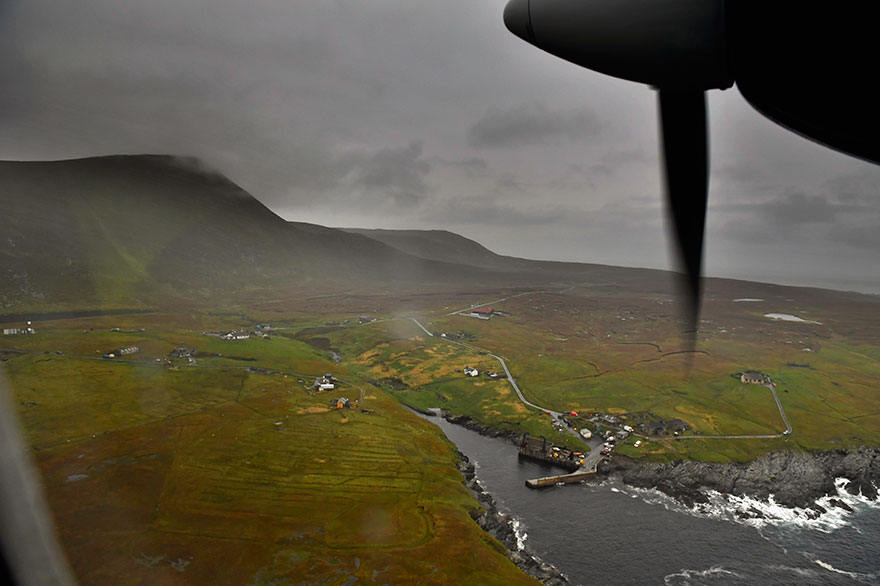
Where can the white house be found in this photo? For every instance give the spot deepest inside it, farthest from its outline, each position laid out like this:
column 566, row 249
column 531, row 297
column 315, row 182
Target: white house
column 17, row 331
column 236, row 335
column 471, row 371
column 325, row 383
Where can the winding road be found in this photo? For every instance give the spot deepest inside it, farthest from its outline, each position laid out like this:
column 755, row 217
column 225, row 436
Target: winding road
column 591, row 460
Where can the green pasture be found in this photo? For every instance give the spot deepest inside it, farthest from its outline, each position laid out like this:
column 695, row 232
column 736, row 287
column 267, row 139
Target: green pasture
column 150, row 468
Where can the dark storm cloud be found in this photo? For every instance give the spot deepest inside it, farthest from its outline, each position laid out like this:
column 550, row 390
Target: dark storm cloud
column 839, row 217
column 395, row 173
column 530, row 124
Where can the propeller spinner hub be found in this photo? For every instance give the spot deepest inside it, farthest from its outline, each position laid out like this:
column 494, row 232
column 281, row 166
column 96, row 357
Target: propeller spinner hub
column 669, row 44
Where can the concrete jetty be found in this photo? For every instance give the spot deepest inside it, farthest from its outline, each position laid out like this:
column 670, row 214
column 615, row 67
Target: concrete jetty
column 561, row 479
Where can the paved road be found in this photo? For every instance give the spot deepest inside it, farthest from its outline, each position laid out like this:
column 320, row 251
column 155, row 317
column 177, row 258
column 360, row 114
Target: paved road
column 536, row 292
column 594, row 456
column 470, row 307
column 781, row 410
column 415, row 321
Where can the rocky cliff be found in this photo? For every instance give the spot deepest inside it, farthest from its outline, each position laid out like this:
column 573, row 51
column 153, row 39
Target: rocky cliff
column 795, row 479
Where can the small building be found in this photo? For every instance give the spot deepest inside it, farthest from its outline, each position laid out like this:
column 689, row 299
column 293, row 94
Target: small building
column 482, row 312
column 128, row 350
column 343, row 403
column 754, row 378
column 468, row 371
column 236, row 335
column 18, row 331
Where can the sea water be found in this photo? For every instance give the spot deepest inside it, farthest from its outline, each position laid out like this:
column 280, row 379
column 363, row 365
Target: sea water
column 610, row 533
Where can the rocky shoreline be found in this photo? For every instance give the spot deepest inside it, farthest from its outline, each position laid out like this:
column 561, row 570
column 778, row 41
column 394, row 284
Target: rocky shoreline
column 794, row 479
column 473, row 425
column 501, row 526
column 497, row 524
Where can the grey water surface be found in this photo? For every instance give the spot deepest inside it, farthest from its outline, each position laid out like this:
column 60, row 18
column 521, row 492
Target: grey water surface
column 611, row 534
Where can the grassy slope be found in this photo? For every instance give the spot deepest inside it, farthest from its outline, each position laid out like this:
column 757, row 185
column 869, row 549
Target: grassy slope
column 181, row 474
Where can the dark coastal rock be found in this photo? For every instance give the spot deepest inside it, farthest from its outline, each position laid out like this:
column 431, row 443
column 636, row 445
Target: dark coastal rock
column 500, row 526
column 795, row 479
column 840, row 505
column 473, row 425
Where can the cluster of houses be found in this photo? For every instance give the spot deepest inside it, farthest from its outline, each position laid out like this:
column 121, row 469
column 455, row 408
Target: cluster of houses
column 182, row 352
column 325, row 383
column 261, row 330
column 236, row 335
column 469, row 371
column 674, row 426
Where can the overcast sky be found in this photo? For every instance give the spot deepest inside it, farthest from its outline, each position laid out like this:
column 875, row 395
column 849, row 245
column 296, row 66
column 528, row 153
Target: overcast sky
column 393, row 114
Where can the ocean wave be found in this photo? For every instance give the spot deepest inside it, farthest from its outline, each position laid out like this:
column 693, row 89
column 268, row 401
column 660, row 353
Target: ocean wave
column 760, row 513
column 800, row 572
column 854, row 575
column 519, row 530
column 688, row 577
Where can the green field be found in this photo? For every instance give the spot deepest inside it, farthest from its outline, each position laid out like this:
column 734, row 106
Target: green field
column 214, row 473
column 156, row 471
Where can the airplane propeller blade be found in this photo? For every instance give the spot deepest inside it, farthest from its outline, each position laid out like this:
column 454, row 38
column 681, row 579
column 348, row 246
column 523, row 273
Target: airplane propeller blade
column 679, row 47
column 684, row 139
